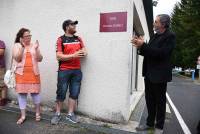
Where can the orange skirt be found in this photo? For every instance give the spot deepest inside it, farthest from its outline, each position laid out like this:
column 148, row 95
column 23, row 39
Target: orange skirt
column 28, row 82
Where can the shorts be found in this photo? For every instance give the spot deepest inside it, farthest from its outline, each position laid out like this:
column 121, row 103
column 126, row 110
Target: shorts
column 68, row 79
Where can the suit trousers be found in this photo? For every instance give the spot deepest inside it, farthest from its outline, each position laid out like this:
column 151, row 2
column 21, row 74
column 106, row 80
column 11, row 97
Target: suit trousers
column 155, row 95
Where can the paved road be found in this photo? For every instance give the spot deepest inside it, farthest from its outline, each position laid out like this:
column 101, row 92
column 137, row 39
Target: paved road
column 185, row 95
column 172, row 125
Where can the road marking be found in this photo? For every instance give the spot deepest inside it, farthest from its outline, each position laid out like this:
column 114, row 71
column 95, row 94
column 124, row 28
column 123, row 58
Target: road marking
column 180, row 119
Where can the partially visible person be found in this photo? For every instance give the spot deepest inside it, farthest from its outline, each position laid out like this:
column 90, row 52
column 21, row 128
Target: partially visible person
column 198, row 60
column 70, row 49
column 3, row 89
column 197, row 71
column 26, row 56
column 157, row 71
column 198, row 126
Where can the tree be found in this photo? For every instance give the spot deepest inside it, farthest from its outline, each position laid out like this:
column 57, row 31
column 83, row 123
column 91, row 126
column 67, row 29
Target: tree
column 186, row 25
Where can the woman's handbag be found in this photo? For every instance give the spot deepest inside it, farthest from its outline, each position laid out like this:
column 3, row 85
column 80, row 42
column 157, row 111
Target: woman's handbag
column 9, row 77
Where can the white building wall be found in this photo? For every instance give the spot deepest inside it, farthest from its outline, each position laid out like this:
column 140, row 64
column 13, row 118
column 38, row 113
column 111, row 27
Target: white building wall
column 105, row 91
column 140, row 9
column 135, row 97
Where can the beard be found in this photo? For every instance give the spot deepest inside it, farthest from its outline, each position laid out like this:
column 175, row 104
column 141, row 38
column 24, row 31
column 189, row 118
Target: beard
column 72, row 31
column 156, row 30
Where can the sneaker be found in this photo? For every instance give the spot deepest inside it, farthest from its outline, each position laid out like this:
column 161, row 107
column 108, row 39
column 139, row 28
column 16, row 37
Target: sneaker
column 55, row 119
column 158, row 131
column 143, row 128
column 72, row 118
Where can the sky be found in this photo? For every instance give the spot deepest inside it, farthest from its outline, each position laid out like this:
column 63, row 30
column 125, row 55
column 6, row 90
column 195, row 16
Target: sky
column 164, row 7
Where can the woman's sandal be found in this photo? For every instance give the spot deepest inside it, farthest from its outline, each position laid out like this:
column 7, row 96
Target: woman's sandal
column 21, row 120
column 37, row 117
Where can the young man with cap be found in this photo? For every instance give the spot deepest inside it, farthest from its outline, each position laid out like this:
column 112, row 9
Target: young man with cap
column 70, row 49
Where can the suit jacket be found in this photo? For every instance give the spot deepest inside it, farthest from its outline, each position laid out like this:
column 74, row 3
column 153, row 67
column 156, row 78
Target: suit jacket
column 157, row 54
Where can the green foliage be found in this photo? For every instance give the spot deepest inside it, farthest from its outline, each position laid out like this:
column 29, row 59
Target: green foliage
column 186, row 25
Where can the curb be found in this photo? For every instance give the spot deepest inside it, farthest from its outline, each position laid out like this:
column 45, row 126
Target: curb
column 188, row 78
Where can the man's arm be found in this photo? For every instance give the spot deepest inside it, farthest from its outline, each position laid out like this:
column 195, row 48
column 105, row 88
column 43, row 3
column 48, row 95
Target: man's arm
column 83, row 48
column 65, row 57
column 159, row 53
column 59, row 52
column 62, row 57
column 84, row 51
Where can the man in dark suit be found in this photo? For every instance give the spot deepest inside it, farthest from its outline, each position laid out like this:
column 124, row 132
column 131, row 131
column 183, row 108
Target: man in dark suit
column 157, row 71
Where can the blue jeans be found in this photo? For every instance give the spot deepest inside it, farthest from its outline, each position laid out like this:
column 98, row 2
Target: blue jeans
column 68, row 79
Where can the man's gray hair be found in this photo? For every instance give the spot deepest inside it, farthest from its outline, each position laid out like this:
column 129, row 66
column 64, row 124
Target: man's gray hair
column 165, row 20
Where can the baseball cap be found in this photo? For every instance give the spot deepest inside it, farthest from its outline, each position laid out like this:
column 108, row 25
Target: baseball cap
column 68, row 22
